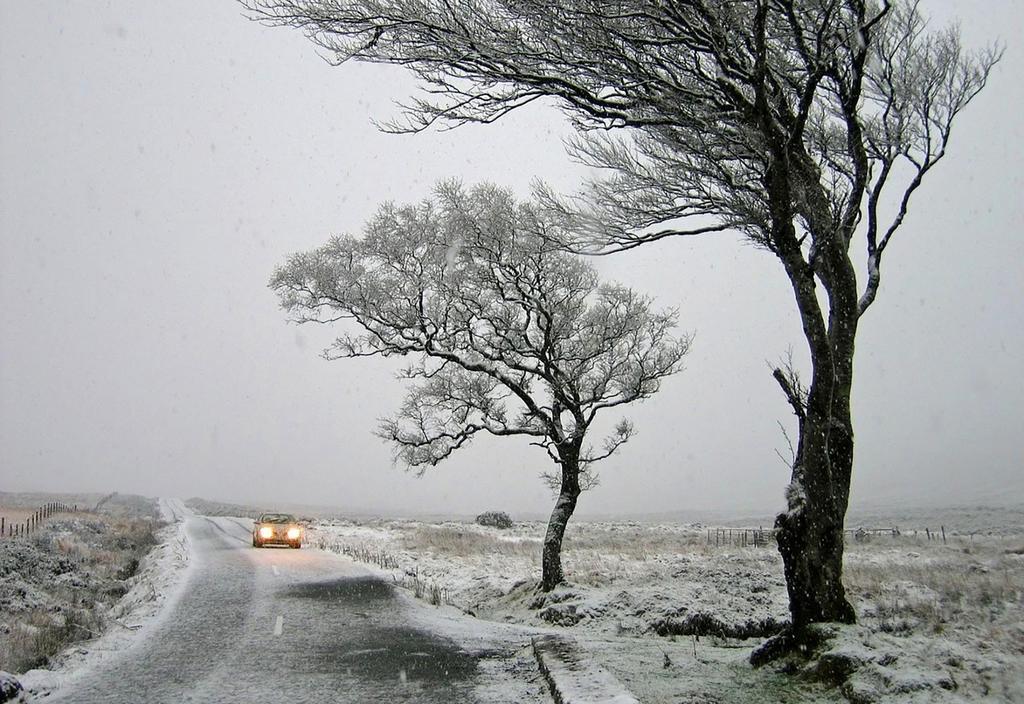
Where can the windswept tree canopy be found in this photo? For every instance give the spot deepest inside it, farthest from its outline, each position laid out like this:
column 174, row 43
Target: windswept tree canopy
column 511, row 336
column 856, row 97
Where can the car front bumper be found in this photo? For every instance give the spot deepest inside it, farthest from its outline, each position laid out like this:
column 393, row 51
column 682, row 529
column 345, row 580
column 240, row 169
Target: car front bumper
column 279, row 537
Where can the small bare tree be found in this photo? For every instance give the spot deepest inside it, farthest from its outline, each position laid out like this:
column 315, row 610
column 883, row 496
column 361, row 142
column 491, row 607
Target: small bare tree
column 512, row 337
column 806, row 125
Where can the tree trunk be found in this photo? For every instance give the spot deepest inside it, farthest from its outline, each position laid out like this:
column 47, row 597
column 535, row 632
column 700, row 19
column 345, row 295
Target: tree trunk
column 810, row 533
column 569, row 492
column 810, row 536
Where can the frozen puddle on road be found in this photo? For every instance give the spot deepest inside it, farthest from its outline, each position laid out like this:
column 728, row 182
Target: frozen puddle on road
column 384, row 652
column 369, row 635
column 344, row 591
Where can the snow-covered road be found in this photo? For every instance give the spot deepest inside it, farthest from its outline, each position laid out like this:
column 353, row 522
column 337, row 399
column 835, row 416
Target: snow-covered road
column 282, row 625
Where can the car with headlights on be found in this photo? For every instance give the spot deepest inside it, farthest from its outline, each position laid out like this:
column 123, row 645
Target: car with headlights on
column 277, row 529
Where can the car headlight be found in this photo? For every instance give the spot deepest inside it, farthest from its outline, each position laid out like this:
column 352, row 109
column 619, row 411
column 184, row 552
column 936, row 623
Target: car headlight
column 266, row 532
column 294, row 533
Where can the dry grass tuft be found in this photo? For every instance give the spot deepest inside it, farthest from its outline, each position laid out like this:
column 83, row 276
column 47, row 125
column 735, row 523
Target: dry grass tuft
column 583, row 541
column 937, row 588
column 31, row 642
column 459, row 541
column 634, row 541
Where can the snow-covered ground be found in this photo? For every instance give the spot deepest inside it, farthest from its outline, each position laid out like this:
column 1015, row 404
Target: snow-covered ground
column 664, row 611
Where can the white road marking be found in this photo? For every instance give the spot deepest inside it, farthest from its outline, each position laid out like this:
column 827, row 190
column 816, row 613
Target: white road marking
column 279, row 625
column 274, row 567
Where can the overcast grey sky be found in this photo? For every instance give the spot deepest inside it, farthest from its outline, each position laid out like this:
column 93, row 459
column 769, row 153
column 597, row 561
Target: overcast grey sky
column 157, row 160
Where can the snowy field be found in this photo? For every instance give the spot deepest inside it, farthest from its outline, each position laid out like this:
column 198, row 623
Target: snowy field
column 676, row 618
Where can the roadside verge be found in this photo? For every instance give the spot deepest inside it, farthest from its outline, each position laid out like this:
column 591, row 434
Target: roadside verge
column 155, row 586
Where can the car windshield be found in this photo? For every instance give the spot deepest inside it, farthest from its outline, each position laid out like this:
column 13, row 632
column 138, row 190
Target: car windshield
column 277, row 518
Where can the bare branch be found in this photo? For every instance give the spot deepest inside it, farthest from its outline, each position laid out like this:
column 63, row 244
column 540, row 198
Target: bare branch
column 788, row 378
column 791, row 460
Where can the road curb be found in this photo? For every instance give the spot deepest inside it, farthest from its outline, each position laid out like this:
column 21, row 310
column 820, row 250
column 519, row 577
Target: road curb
column 573, row 677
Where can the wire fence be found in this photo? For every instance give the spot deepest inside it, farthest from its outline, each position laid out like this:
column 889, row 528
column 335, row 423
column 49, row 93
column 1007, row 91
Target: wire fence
column 34, row 521
column 740, row 537
column 862, row 535
column 761, row 537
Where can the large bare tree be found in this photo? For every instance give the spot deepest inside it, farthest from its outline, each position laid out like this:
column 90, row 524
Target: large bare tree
column 512, row 336
column 805, row 125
